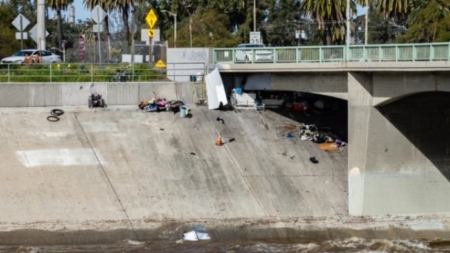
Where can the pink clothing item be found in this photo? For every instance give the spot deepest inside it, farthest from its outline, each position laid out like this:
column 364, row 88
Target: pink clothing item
column 162, row 102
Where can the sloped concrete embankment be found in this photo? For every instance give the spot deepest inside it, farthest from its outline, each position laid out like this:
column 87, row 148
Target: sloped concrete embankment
column 99, row 176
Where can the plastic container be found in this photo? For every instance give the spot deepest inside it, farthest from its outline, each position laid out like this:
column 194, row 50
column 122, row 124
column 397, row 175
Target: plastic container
column 184, row 110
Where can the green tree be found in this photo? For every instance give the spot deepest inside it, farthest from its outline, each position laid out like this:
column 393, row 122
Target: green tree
column 9, row 11
column 330, row 17
column 398, row 9
column 209, row 29
column 239, row 12
column 427, row 23
column 124, row 7
column 58, row 6
column 284, row 19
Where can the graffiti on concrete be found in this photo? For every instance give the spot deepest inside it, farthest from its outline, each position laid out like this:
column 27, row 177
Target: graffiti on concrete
column 194, row 55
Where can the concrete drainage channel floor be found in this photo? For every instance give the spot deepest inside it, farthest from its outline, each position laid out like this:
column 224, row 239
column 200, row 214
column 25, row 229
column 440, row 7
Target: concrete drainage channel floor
column 108, row 175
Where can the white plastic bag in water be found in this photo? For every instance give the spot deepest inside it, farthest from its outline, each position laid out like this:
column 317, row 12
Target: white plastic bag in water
column 190, row 236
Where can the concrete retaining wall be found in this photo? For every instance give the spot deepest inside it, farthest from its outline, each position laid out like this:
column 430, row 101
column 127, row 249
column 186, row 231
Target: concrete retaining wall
column 76, row 94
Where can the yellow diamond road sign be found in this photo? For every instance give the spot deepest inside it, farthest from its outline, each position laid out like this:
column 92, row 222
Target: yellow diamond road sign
column 151, row 18
column 160, row 64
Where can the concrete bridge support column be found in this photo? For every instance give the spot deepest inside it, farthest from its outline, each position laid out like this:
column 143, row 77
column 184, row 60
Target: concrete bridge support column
column 360, row 90
column 398, row 155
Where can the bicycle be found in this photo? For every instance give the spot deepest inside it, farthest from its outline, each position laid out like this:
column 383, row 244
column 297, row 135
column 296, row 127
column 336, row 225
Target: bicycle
column 122, row 75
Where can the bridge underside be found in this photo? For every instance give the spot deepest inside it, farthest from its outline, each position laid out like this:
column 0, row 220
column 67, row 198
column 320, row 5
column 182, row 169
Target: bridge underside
column 398, row 134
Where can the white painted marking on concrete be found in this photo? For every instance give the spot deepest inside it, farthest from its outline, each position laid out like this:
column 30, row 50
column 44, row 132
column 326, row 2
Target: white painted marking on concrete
column 59, row 157
column 96, row 127
column 55, row 134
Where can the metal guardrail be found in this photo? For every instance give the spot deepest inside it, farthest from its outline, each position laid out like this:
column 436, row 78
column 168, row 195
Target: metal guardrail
column 356, row 53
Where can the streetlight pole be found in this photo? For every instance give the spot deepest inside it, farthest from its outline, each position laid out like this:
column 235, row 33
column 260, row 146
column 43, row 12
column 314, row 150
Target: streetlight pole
column 254, row 15
column 348, row 29
column 175, row 27
column 366, row 34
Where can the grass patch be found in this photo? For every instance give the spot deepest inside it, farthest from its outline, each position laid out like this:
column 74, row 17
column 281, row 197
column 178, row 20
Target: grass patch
column 78, row 72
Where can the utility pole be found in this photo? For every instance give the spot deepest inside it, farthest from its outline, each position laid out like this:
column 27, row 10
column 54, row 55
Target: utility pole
column 41, row 25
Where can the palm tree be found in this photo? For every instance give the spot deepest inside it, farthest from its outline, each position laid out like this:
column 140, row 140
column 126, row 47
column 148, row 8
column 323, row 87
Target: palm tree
column 329, row 15
column 394, row 8
column 125, row 6
column 58, row 6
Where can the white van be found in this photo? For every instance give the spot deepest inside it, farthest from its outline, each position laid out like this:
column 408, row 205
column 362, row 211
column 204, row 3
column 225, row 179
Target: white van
column 244, row 53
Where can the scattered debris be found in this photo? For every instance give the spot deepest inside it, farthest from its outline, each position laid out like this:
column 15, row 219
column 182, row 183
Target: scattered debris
column 23, row 249
column 158, row 104
column 199, row 233
column 132, row 242
column 333, row 146
column 201, row 102
column 322, row 135
column 289, row 128
column 53, row 118
column 219, row 141
column 55, row 114
column 220, row 119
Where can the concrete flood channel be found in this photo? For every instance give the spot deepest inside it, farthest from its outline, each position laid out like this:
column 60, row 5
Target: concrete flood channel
column 102, row 176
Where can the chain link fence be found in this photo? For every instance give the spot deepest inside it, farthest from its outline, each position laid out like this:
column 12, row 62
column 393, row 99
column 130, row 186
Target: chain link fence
column 77, row 94
column 107, row 50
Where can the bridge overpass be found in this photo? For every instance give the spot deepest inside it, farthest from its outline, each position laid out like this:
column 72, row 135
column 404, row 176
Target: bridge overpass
column 398, row 115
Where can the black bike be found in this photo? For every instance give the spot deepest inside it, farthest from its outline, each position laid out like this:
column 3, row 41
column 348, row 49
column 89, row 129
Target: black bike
column 122, row 75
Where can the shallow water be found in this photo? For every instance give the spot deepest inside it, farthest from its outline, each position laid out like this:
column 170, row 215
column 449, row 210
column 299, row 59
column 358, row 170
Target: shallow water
column 285, row 245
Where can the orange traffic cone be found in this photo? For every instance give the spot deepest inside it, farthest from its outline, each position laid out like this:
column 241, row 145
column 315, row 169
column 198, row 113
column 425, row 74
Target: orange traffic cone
column 219, row 141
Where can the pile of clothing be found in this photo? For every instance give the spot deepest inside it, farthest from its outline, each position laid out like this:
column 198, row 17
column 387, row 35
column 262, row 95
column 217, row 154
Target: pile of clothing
column 157, row 104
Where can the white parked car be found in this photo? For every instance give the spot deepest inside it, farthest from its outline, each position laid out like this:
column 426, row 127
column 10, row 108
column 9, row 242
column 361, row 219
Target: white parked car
column 47, row 56
column 245, row 53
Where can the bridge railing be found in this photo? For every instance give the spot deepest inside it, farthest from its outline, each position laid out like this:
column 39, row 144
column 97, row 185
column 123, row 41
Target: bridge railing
column 319, row 54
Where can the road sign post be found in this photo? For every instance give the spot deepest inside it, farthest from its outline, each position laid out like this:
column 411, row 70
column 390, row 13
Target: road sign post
column 255, row 38
column 34, row 33
column 81, row 48
column 151, row 19
column 20, row 22
column 98, row 15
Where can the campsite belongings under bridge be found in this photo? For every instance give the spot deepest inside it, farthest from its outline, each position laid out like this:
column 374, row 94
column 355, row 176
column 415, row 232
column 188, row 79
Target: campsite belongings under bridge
column 323, row 136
